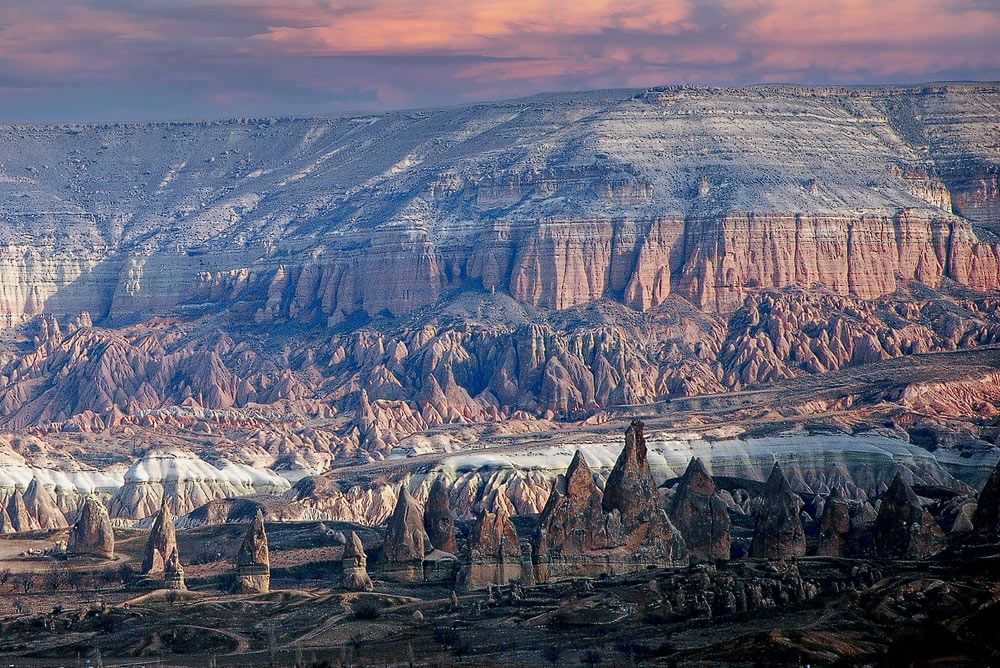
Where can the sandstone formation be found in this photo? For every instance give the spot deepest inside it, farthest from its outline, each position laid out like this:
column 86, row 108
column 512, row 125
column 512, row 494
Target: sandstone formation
column 700, row 514
column 494, row 552
column 92, row 535
column 42, row 507
column 904, row 529
column 173, row 573
column 439, row 520
column 406, row 541
column 17, row 518
column 161, row 544
column 584, row 531
column 986, row 521
column 355, row 565
column 834, row 527
column 253, row 561
column 778, row 531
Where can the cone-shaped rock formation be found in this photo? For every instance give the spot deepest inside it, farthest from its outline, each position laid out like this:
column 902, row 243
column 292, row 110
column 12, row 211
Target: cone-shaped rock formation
column 92, row 534
column 834, row 527
column 406, row 540
column 162, row 542
column 584, row 531
column 903, row 528
column 986, row 521
column 355, row 565
column 439, row 521
column 17, row 511
column 43, row 506
column 778, row 531
column 700, row 514
column 253, row 561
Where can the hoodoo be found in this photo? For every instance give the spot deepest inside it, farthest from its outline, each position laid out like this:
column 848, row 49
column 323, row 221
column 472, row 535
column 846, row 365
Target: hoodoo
column 778, row 531
column 700, row 514
column 904, row 529
column 355, row 565
column 439, row 520
column 253, row 561
column 92, row 535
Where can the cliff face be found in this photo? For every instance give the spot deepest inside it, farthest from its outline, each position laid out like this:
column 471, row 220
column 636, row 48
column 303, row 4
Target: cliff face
column 558, row 200
column 577, row 251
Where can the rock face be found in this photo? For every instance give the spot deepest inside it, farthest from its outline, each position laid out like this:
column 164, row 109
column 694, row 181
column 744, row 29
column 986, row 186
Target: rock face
column 355, row 565
column 904, row 529
column 406, row 540
column 439, row 520
column 484, row 208
column 253, row 561
column 162, row 543
column 494, row 552
column 92, row 534
column 701, row 516
column 17, row 517
column 834, row 527
column 43, row 507
column 778, row 531
column 986, row 521
column 173, row 573
column 583, row 531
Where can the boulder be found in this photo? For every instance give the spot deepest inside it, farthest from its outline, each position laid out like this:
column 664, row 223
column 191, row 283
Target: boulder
column 834, row 527
column 92, row 534
column 253, row 561
column 778, row 531
column 43, row 506
column 700, row 514
column 355, row 565
column 439, row 520
column 986, row 520
column 904, row 529
column 161, row 544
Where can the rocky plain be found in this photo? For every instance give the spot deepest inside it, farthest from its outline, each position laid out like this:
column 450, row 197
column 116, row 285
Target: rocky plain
column 675, row 377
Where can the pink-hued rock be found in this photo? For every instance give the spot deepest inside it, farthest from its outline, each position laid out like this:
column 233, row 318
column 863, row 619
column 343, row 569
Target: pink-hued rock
column 92, row 535
column 253, row 561
column 439, row 520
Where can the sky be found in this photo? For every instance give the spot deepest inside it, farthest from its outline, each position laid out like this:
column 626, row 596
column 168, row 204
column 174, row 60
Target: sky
column 93, row 60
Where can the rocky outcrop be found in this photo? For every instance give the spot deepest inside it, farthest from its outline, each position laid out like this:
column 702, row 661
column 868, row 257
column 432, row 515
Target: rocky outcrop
column 986, row 521
column 173, row 573
column 92, row 535
column 355, row 565
column 406, row 541
column 494, row 552
column 904, row 529
column 834, row 527
column 253, row 561
column 439, row 520
column 161, row 544
column 778, row 532
column 43, row 507
column 17, row 517
column 701, row 515
column 584, row 531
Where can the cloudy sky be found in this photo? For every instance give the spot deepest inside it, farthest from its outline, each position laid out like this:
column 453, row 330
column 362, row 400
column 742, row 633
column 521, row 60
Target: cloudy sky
column 156, row 59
